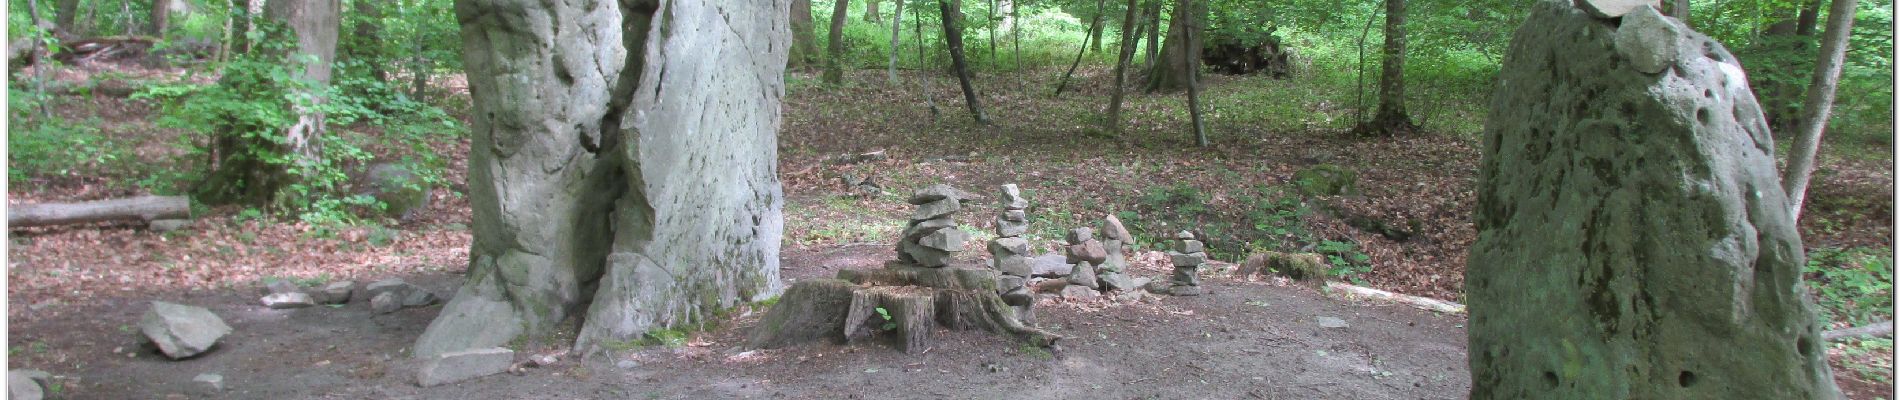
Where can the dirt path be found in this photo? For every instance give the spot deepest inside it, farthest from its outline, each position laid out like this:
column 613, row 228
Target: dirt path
column 1243, row 340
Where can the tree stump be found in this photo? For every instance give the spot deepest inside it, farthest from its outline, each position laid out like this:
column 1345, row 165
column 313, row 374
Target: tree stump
column 902, row 304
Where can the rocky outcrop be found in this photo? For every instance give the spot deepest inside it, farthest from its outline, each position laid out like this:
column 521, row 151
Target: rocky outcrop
column 1633, row 241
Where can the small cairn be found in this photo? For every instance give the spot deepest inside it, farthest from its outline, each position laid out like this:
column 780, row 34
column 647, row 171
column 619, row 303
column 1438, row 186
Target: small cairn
column 1109, row 271
column 1009, row 252
column 1187, row 257
column 1086, row 253
column 926, row 243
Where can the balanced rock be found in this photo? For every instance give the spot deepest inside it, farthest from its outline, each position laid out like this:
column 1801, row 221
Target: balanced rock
column 1013, row 198
column 939, row 192
column 182, row 331
column 1112, row 227
column 1115, row 261
column 950, row 240
column 1189, row 246
column 1080, row 235
column 917, row 229
column 338, row 292
column 1187, row 259
column 935, row 209
column 1008, row 228
column 1648, row 40
column 1090, row 251
column 1633, row 237
column 464, row 365
column 1084, row 275
column 925, row 255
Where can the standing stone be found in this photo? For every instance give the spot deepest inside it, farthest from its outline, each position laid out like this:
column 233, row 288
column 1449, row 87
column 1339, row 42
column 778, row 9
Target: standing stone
column 1084, row 275
column 1114, row 261
column 1112, row 227
column 182, row 331
column 1633, row 240
column 624, row 163
column 21, row 387
column 1013, row 198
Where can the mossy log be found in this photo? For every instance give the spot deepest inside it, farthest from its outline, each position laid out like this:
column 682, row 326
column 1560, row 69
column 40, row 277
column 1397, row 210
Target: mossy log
column 914, row 302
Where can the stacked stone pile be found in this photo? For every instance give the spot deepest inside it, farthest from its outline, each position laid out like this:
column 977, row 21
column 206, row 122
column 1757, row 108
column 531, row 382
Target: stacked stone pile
column 1187, row 257
column 1109, row 271
column 926, row 242
column 1009, row 252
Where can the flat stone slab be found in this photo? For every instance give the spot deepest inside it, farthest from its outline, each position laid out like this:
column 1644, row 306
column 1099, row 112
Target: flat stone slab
column 281, row 301
column 464, row 365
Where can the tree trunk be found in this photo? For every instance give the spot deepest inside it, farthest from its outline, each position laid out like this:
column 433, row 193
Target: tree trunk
column 1391, row 118
column 923, row 76
column 897, row 27
column 1193, row 86
column 953, row 37
column 1127, row 51
column 145, row 208
column 870, row 11
column 1154, row 34
column 1678, row 9
column 1820, row 103
column 1805, row 21
column 366, row 43
column 1171, row 73
column 834, row 46
column 63, row 13
column 1016, row 39
column 804, row 35
column 1079, row 51
column 240, row 174
column 645, row 222
column 161, row 17
column 1094, row 36
column 990, row 24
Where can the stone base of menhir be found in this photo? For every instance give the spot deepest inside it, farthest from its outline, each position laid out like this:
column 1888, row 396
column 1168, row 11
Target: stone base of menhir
column 901, row 304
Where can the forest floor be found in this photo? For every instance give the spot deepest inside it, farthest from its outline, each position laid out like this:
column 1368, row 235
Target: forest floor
column 75, row 291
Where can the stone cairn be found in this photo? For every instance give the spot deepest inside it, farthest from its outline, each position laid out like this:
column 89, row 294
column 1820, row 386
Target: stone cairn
column 1009, row 252
column 1187, row 257
column 1086, row 253
column 926, row 242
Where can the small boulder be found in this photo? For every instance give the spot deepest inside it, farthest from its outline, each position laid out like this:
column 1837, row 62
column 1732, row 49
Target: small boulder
column 384, row 303
column 1074, row 292
column 935, row 209
column 182, row 331
column 1649, row 40
column 464, row 365
column 1112, row 227
column 1084, row 275
column 1080, row 235
column 1116, row 281
column 22, row 387
column 213, row 381
column 168, row 225
column 1013, row 198
column 407, row 294
column 338, row 292
column 1330, row 322
column 1325, row 180
column 275, row 285
column 279, row 301
column 1050, row 265
column 1090, row 251
column 402, row 192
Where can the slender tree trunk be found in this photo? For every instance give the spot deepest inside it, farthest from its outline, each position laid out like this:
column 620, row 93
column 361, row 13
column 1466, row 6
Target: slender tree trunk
column 990, row 26
column 834, row 48
column 953, row 37
column 1154, row 34
column 1126, row 51
column 1171, row 73
column 897, row 27
column 923, row 72
column 1193, row 82
column 239, row 174
column 1392, row 119
column 367, row 41
column 63, row 13
column 39, row 66
column 1095, row 32
column 1820, row 102
column 1016, row 39
column 224, row 45
column 1806, row 20
column 870, row 11
column 804, row 35
column 1064, row 82
column 1359, row 95
column 161, row 17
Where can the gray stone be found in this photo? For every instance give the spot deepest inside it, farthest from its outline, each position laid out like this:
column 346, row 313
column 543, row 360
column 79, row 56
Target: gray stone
column 1007, row 228
column 1615, row 8
column 168, row 225
column 275, row 285
column 182, row 331
column 1019, row 297
column 1050, row 265
column 926, row 256
column 1189, row 246
column 21, row 387
column 42, row 378
column 338, row 292
column 1632, row 237
column 1115, row 261
column 1090, row 251
column 1187, row 259
column 1330, row 322
column 1080, row 235
column 1014, row 215
column 406, row 294
column 627, row 364
column 935, row 209
column 1115, row 281
column 464, row 365
column 1009, row 245
column 939, row 192
column 1112, row 227
column 281, row 301
column 1084, row 275
column 1188, row 276
column 1076, row 292
column 419, row 298
column 1013, row 198
column 1157, row 286
column 1006, row 283
column 1011, row 264
column 213, row 381
column 1130, row 296
column 386, row 302
column 917, row 229
column 1179, row 290
column 1184, row 235
column 593, row 190
column 950, row 240
column 1649, row 41
column 402, row 192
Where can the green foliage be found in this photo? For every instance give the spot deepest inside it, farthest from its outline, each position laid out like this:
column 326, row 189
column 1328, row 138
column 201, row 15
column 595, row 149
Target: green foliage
column 1345, row 259
column 889, row 324
column 1853, row 286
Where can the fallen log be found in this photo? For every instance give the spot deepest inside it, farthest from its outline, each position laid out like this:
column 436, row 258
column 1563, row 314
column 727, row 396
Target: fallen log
column 1877, row 329
column 143, row 208
column 1415, row 301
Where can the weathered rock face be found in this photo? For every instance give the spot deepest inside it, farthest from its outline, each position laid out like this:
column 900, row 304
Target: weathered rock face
column 1633, row 240
column 622, row 150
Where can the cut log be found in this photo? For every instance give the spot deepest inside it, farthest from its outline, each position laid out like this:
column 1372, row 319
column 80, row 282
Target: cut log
column 145, row 208
column 1415, row 301
column 1878, row 329
column 902, row 303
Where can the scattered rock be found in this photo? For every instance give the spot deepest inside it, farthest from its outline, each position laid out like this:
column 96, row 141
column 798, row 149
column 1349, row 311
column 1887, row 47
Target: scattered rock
column 213, row 381
column 1074, row 292
column 384, row 303
column 168, row 225
column 464, row 365
column 1130, row 296
column 1116, row 281
column 1084, row 275
column 279, row 301
column 20, row 387
column 1157, row 286
column 1330, row 322
column 627, row 364
column 407, row 295
column 338, row 292
column 1112, row 226
column 182, row 331
column 1615, row 8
